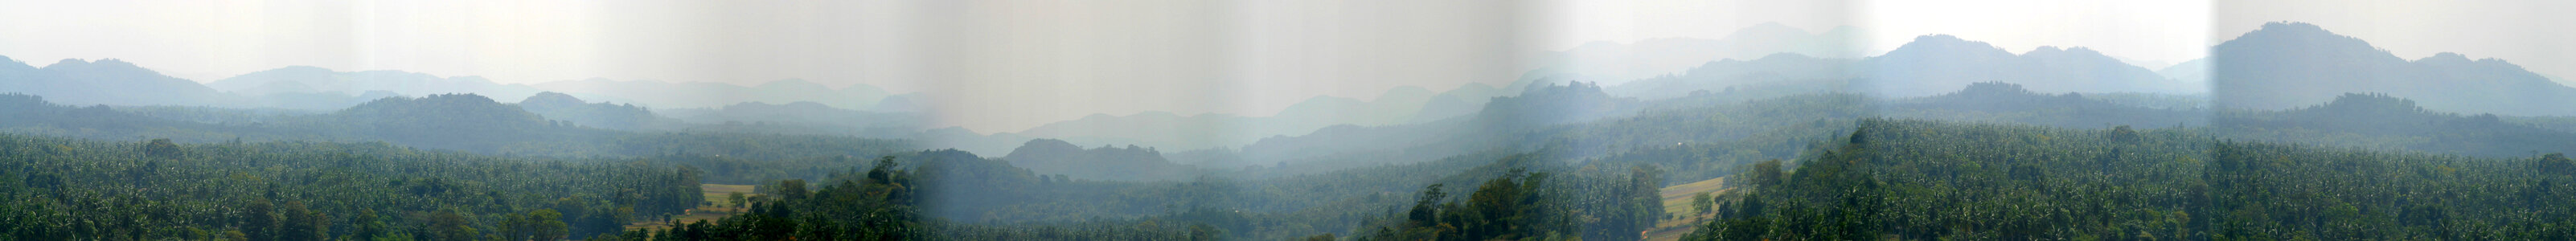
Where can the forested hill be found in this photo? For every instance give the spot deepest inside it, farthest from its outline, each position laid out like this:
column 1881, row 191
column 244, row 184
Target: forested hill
column 2009, row 103
column 2384, row 122
column 1491, row 127
column 1907, row 179
column 450, row 121
column 574, row 111
column 34, row 115
column 1700, row 139
column 463, row 122
column 1129, row 163
column 947, row 194
column 2287, row 65
column 63, row 189
column 106, row 81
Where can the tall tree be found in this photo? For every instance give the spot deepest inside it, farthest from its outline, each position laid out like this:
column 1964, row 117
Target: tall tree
column 545, row 224
column 446, row 225
column 369, row 226
column 303, row 224
column 1700, row 203
column 259, row 222
column 161, row 148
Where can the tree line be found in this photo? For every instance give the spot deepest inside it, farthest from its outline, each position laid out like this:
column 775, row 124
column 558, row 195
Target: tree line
column 1914, row 179
column 61, row 189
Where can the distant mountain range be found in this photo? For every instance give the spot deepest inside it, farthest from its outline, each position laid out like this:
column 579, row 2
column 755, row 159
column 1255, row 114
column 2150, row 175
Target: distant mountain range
column 706, row 94
column 115, row 82
column 1720, row 75
column 2287, row 65
column 105, row 82
column 1617, row 63
column 603, row 115
column 1131, row 163
column 800, row 112
column 308, row 79
column 1930, row 65
column 1933, row 64
column 1499, row 120
column 2282, row 65
column 1403, row 105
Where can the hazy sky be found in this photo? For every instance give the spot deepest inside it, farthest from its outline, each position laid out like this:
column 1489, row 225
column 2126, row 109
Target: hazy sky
column 1009, row 65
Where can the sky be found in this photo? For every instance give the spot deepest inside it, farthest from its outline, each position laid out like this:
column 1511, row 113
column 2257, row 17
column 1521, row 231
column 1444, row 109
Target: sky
column 1010, row 65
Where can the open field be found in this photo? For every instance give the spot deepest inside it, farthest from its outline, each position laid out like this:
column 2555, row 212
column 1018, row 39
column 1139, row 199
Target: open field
column 716, row 194
column 1677, row 200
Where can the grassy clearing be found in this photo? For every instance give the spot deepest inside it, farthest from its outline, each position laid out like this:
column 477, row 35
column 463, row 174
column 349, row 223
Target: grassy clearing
column 1677, row 200
column 716, row 194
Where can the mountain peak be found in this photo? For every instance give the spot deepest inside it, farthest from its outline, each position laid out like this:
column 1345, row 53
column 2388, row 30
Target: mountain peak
column 1041, row 146
column 2290, row 29
column 2074, row 54
column 2444, row 57
column 1050, row 143
column 1937, row 38
column 7, row 63
column 552, row 98
column 2297, row 36
column 2456, row 60
column 2287, row 26
column 436, row 103
column 101, row 63
column 105, row 66
column 2286, row 65
column 1940, row 44
column 68, row 63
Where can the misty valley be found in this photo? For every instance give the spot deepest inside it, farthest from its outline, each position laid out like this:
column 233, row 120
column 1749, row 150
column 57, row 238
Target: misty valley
column 2286, row 132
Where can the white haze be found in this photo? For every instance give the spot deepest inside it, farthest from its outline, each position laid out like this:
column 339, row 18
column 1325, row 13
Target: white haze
column 1009, row 65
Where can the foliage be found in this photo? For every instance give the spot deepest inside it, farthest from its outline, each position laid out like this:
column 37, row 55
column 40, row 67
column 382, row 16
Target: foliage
column 62, row 189
column 2383, row 122
column 1130, row 163
column 1910, row 179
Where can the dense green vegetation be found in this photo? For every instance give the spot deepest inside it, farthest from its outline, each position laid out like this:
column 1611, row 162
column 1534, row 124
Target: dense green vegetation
column 456, row 122
column 954, row 195
column 1558, row 162
column 2382, row 122
column 1129, row 163
column 1793, row 147
column 878, row 205
column 1707, row 142
column 574, row 111
column 1930, row 180
column 459, row 122
column 1520, row 205
column 68, row 189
